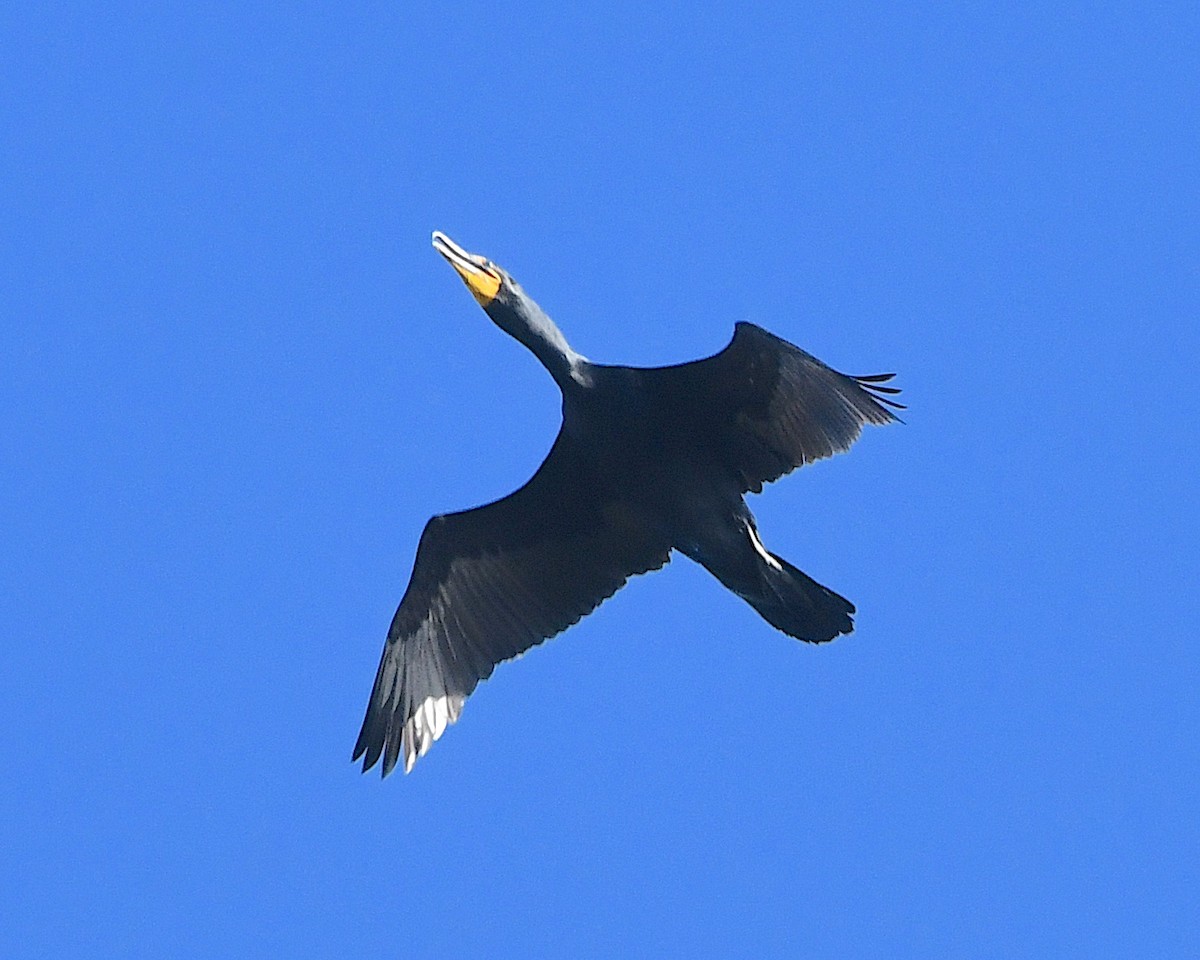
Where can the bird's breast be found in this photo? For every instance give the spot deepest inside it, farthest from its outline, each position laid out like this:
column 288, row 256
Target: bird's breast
column 648, row 471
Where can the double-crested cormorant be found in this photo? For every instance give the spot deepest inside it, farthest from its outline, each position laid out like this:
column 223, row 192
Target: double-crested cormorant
column 648, row 460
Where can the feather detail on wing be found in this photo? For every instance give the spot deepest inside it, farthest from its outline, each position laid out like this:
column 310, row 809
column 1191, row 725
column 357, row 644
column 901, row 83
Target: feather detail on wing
column 769, row 407
column 487, row 585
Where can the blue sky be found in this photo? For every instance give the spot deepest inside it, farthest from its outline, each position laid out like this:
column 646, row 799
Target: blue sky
column 237, row 381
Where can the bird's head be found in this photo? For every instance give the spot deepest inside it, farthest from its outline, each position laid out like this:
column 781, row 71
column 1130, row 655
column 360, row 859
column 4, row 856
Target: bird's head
column 484, row 279
column 493, row 287
column 510, row 307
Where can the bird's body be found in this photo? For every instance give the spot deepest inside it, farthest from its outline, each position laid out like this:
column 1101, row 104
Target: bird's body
column 648, row 460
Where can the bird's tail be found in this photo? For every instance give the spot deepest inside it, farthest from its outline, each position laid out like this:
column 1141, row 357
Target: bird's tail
column 795, row 603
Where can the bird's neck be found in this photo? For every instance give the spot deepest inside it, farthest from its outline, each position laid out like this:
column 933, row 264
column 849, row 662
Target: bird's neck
column 540, row 334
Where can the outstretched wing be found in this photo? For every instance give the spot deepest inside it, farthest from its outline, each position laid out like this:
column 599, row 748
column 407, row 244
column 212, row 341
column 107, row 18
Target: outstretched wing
column 487, row 585
column 770, row 407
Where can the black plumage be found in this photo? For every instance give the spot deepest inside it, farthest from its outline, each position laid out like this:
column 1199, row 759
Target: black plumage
column 647, row 460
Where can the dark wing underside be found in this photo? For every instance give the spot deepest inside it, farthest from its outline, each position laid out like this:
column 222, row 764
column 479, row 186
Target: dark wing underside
column 770, row 407
column 487, row 585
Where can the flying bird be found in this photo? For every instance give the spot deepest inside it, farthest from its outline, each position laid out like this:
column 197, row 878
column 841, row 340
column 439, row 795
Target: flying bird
column 647, row 460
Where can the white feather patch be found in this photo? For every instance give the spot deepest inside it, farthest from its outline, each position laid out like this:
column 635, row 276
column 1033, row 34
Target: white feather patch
column 763, row 552
column 427, row 724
